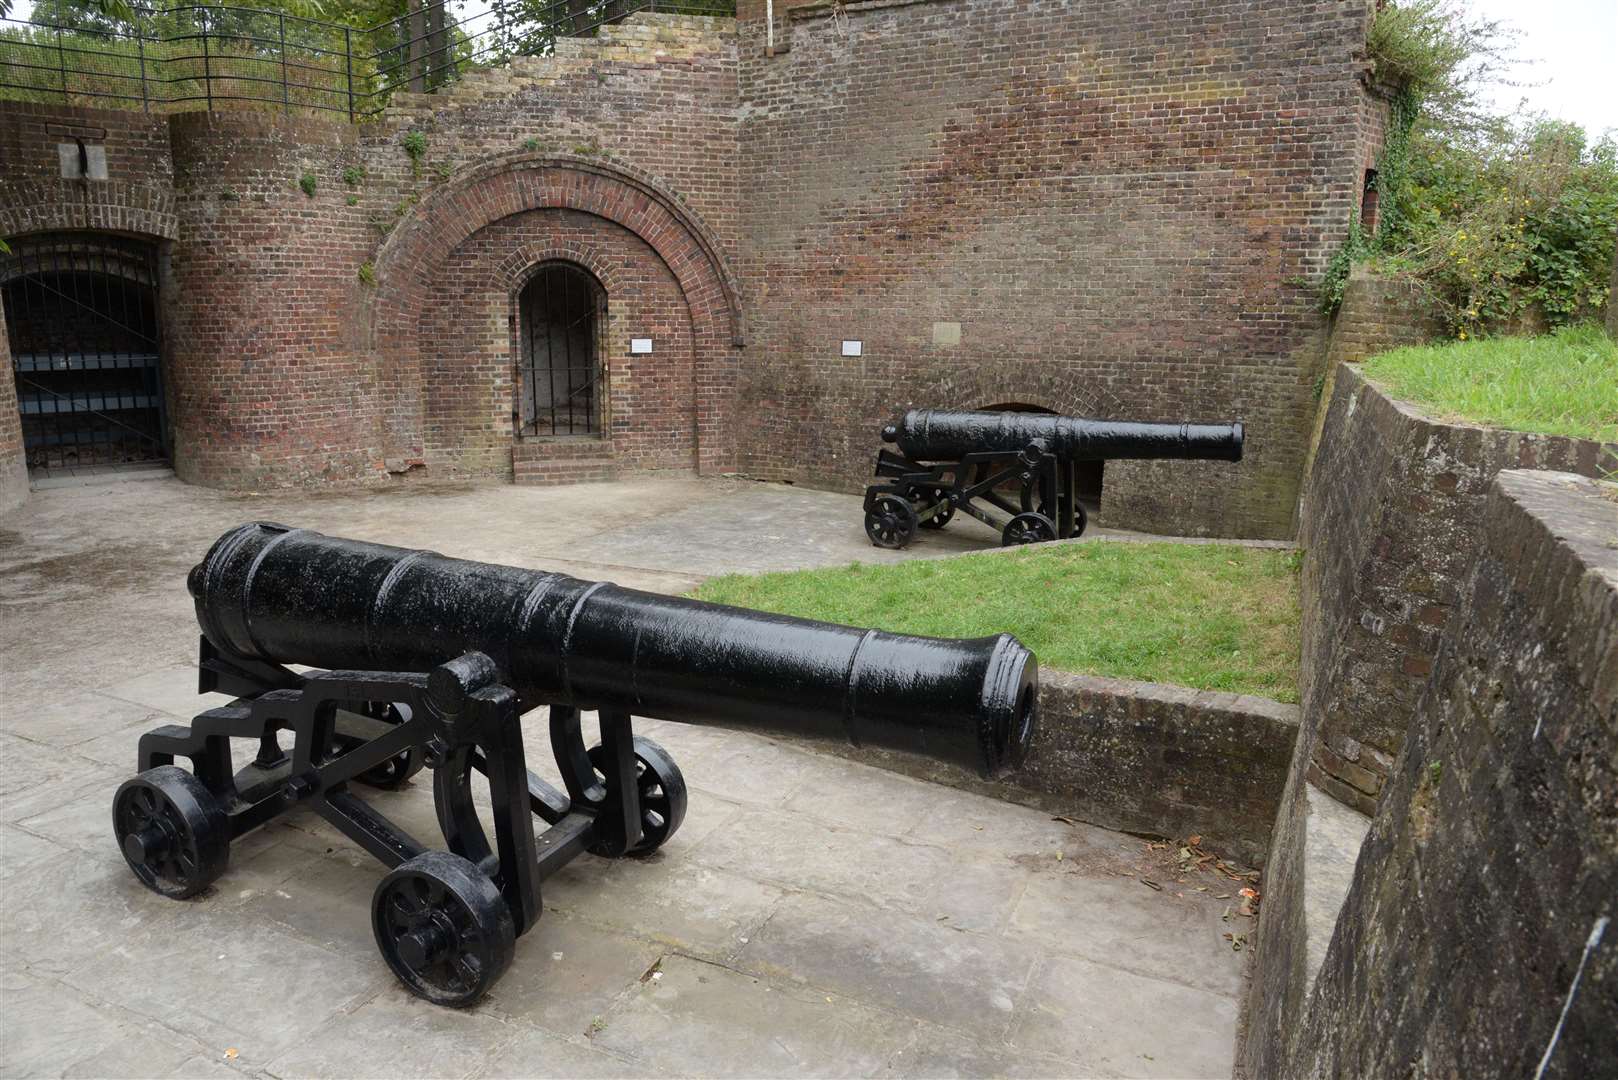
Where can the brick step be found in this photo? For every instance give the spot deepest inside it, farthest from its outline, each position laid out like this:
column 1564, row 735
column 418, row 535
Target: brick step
column 550, row 462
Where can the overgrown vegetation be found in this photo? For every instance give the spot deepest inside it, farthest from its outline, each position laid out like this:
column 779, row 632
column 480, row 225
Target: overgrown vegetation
column 415, row 145
column 1209, row 616
column 1507, row 222
column 1564, row 383
column 309, row 184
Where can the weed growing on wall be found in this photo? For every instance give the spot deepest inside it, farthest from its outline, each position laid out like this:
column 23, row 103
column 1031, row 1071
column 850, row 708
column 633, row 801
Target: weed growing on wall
column 415, row 145
column 309, row 184
column 354, row 175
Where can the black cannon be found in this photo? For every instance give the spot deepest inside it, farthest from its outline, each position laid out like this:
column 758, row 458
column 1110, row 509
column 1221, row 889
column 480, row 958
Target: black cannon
column 970, row 461
column 431, row 661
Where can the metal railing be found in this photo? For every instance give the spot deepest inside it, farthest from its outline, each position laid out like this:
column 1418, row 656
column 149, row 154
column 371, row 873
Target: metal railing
column 181, row 58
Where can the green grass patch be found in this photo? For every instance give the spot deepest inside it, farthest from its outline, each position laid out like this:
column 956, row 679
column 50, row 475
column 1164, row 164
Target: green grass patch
column 1208, row 616
column 1564, row 383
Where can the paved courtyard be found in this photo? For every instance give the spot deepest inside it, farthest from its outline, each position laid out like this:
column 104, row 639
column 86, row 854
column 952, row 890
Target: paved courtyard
column 813, row 917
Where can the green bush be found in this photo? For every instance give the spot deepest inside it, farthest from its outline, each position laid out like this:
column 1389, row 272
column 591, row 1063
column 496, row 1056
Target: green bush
column 1507, row 223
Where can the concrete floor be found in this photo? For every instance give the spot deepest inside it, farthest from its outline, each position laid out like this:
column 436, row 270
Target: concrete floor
column 813, row 916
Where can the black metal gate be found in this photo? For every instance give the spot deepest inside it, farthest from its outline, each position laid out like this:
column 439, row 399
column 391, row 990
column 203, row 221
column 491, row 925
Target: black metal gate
column 82, row 319
column 561, row 311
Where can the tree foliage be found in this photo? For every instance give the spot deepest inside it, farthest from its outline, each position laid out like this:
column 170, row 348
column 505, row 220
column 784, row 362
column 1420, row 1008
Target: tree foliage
column 1508, row 222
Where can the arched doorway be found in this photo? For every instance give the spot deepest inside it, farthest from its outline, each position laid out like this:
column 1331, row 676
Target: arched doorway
column 562, row 315
column 81, row 313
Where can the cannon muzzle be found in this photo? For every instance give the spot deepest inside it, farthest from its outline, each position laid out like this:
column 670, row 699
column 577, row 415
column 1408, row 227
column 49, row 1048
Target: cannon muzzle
column 290, row 596
column 939, row 434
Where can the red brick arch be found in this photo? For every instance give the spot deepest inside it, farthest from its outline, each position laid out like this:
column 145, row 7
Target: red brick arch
column 410, row 261
column 106, row 206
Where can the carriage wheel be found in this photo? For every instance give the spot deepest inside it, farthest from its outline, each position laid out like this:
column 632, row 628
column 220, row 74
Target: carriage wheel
column 926, row 496
column 662, row 793
column 172, row 831
column 891, row 522
column 443, row 928
column 1028, row 529
column 393, row 773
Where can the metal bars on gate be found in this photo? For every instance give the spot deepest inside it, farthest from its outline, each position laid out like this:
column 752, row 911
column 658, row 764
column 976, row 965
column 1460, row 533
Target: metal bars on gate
column 82, row 321
column 561, row 365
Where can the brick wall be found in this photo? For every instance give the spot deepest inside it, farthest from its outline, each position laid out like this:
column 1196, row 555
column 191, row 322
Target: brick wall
column 1493, row 862
column 266, row 375
column 468, row 372
column 1390, row 520
column 1111, row 200
column 618, row 153
column 13, row 469
column 136, row 197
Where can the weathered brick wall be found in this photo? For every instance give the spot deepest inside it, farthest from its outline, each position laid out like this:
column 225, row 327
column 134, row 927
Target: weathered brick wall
column 1113, row 201
column 266, row 375
column 1116, row 229
column 136, row 197
column 1377, row 314
column 1390, row 520
column 1492, row 866
column 13, row 468
column 631, row 138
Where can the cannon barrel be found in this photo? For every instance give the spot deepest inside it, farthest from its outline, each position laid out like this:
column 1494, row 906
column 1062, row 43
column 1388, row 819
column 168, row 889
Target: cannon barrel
column 940, row 434
column 291, row 596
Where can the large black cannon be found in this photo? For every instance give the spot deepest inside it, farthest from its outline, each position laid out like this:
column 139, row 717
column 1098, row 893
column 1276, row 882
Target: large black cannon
column 431, row 661
column 969, row 461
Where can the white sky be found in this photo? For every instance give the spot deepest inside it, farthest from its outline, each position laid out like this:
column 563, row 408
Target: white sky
column 1568, row 49
column 1569, row 54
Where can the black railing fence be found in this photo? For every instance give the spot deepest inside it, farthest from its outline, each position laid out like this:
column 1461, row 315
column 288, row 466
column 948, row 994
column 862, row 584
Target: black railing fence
column 183, row 58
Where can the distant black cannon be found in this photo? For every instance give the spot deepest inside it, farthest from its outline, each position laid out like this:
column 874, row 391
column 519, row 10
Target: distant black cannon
column 961, row 460
column 432, row 661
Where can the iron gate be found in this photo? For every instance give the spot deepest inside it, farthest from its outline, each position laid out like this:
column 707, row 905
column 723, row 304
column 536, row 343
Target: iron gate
column 81, row 315
column 561, row 309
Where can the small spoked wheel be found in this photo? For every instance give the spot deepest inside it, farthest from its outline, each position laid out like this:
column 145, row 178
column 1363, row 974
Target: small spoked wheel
column 662, row 793
column 927, row 496
column 891, row 522
column 1028, row 529
column 393, row 773
column 172, row 831
column 443, row 928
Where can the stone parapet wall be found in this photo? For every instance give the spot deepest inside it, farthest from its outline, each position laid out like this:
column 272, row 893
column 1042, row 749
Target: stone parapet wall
column 1490, row 871
column 1146, row 758
column 1389, row 528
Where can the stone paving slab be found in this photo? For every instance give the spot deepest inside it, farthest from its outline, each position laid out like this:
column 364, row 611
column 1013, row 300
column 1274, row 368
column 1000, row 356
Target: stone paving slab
column 814, row 916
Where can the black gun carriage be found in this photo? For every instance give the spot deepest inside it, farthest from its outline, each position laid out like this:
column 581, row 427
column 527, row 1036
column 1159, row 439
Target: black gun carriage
column 970, row 461
column 426, row 661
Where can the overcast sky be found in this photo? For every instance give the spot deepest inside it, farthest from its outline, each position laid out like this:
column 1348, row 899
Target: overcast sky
column 1569, row 50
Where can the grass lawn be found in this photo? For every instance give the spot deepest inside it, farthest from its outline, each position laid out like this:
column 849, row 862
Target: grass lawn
column 1209, row 616
column 1564, row 383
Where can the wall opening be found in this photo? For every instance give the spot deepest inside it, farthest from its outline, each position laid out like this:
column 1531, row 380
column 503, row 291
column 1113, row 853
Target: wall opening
column 81, row 313
column 1368, row 203
column 562, row 314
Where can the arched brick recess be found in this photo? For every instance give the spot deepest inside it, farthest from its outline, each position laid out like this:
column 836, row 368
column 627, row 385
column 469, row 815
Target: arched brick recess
column 471, row 343
column 410, row 261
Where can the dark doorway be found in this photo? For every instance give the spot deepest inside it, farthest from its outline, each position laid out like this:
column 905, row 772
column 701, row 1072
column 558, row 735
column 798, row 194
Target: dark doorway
column 562, row 311
column 81, row 316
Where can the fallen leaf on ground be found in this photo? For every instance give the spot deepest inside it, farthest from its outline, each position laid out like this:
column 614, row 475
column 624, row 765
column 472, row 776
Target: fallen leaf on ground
column 1150, row 884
